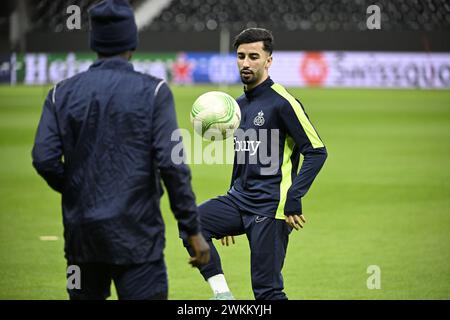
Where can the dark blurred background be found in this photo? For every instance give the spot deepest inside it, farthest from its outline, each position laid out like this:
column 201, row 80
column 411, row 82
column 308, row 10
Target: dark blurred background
column 201, row 25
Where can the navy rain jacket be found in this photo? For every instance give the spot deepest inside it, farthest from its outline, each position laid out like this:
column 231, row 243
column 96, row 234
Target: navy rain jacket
column 103, row 142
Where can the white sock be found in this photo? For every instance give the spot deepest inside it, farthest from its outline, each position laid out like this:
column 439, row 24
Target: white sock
column 218, row 283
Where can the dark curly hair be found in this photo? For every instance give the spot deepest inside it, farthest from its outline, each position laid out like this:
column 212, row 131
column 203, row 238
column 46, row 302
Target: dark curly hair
column 255, row 35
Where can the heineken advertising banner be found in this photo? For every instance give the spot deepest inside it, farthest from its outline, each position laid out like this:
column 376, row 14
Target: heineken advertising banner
column 43, row 68
column 298, row 69
column 5, row 68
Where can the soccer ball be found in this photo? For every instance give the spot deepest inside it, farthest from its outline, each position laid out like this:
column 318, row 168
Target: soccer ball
column 215, row 115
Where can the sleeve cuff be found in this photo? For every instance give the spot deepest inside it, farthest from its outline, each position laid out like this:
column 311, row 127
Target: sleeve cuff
column 292, row 206
column 191, row 228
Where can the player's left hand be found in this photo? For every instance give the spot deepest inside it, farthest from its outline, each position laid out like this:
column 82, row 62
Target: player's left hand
column 296, row 221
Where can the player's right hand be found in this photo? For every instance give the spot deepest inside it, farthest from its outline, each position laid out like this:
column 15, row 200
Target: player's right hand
column 295, row 221
column 226, row 240
column 201, row 250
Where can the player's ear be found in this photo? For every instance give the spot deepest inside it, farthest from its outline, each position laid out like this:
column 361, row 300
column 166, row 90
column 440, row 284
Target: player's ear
column 269, row 62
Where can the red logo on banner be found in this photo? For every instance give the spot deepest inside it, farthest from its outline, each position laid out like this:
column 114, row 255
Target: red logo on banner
column 182, row 69
column 314, row 68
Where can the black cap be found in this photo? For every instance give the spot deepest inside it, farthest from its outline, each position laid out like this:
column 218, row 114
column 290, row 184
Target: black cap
column 113, row 29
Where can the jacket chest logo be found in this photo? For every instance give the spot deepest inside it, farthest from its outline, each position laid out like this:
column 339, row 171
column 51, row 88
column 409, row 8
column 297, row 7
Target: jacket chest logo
column 259, row 119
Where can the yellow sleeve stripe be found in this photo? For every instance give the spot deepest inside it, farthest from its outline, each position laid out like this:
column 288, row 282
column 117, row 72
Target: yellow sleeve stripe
column 304, row 122
column 286, row 180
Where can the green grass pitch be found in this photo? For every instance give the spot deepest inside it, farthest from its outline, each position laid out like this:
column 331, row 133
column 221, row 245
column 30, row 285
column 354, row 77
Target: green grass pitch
column 383, row 198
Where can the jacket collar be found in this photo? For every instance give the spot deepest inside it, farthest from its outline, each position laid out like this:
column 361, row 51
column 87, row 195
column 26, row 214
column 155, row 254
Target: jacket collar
column 260, row 88
column 112, row 63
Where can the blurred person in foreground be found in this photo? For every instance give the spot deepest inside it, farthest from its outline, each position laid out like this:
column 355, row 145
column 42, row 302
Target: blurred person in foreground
column 264, row 201
column 103, row 142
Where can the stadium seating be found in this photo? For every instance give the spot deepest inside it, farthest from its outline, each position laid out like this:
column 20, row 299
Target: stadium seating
column 292, row 15
column 326, row 15
column 50, row 15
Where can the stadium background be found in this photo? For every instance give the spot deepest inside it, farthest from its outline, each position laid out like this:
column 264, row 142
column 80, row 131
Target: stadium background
column 379, row 98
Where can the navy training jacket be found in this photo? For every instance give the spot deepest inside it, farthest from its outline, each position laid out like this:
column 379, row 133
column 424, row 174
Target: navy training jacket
column 269, row 178
column 103, row 142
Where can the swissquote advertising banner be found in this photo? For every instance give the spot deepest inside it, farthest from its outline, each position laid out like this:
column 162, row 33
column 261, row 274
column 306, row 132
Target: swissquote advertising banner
column 362, row 69
column 292, row 69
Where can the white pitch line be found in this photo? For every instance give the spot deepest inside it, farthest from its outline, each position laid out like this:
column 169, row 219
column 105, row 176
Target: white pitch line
column 48, row 238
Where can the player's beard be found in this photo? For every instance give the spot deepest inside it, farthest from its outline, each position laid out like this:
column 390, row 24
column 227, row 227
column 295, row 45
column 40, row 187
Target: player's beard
column 249, row 78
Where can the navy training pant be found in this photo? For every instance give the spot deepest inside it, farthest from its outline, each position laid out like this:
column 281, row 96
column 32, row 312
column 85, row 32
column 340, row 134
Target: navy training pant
column 146, row 281
column 268, row 239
